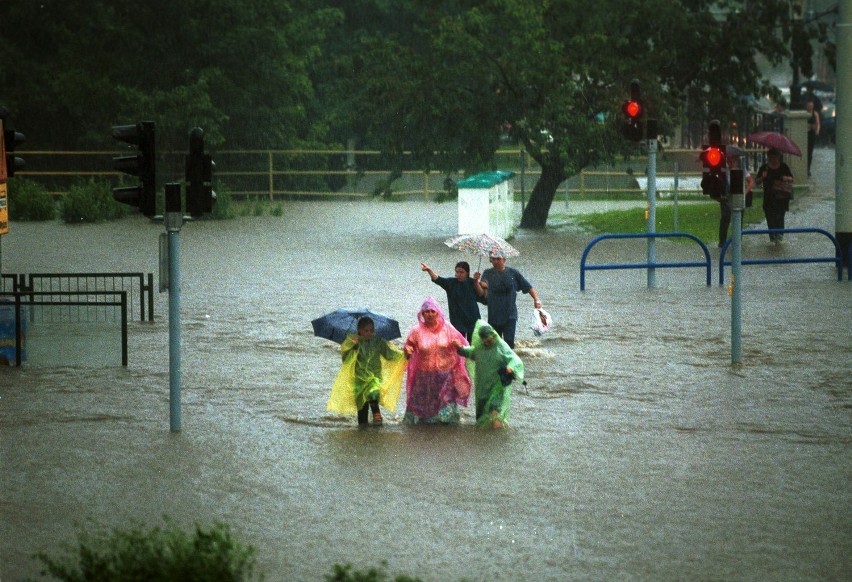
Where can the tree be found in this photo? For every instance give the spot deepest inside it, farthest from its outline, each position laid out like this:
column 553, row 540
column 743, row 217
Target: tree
column 444, row 79
column 237, row 68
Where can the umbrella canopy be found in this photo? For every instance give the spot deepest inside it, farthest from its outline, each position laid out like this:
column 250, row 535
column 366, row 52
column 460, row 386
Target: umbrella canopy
column 484, row 245
column 342, row 322
column 733, row 151
column 775, row 140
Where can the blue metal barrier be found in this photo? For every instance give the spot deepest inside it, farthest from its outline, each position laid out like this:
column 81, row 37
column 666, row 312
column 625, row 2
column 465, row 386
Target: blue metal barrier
column 584, row 267
column 837, row 258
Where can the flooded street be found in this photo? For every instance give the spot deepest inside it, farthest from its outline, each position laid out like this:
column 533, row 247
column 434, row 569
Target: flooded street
column 637, row 451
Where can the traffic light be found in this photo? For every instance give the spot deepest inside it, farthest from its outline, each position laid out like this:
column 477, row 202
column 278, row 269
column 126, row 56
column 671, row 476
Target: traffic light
column 11, row 139
column 143, row 196
column 633, row 110
column 714, row 160
column 200, row 196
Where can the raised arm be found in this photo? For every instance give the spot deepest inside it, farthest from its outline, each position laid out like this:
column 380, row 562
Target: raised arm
column 478, row 286
column 428, row 269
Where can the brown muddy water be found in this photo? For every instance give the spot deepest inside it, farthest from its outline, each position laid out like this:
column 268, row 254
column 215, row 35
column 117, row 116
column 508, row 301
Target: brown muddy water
column 637, row 452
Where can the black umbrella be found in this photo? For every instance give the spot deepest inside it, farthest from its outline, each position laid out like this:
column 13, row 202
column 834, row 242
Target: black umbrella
column 342, row 322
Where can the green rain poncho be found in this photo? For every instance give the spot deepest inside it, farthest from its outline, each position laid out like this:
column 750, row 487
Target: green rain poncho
column 492, row 396
column 371, row 369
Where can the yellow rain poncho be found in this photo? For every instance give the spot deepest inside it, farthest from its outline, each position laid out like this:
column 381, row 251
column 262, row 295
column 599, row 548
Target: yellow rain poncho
column 371, row 367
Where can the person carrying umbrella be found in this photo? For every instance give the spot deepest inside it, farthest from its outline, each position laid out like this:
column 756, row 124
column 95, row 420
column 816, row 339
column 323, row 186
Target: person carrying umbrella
column 462, row 293
column 502, row 285
column 371, row 375
column 777, row 181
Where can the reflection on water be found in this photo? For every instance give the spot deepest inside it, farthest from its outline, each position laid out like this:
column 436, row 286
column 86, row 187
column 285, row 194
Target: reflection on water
column 636, row 451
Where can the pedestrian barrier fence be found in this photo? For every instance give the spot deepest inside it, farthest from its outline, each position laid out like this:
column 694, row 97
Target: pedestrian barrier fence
column 38, row 301
column 646, row 265
column 310, row 174
column 836, row 258
column 139, row 288
column 8, row 282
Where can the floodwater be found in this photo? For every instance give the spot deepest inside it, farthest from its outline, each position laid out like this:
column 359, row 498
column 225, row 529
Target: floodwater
column 637, row 451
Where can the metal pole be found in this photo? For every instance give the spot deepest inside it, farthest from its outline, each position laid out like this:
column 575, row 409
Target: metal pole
column 523, row 179
column 652, row 201
column 676, row 184
column 843, row 147
column 174, row 221
column 737, row 206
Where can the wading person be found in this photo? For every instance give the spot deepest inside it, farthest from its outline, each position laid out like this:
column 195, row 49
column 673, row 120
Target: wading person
column 437, row 381
column 502, row 285
column 496, row 366
column 370, row 376
column 462, row 292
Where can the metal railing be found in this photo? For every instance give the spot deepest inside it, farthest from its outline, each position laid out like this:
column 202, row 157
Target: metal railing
column 275, row 174
column 646, row 265
column 33, row 299
column 8, row 282
column 139, row 288
column 837, row 259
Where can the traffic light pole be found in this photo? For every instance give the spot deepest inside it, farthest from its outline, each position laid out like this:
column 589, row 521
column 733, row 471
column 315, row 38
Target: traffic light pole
column 737, row 207
column 652, row 201
column 173, row 220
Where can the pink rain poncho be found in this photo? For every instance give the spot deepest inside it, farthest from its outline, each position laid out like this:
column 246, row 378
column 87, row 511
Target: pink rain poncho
column 371, row 369
column 437, row 379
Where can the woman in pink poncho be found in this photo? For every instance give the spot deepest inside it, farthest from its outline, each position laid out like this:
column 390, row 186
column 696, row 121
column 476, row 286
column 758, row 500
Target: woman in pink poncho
column 437, row 379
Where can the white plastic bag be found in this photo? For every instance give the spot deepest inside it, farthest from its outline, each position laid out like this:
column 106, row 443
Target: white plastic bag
column 541, row 321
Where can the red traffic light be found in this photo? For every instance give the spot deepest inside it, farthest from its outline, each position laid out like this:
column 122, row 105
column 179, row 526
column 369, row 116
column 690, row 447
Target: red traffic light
column 713, row 157
column 632, row 109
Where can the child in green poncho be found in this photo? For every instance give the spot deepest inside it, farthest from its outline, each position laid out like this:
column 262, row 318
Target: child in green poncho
column 496, row 365
column 371, row 375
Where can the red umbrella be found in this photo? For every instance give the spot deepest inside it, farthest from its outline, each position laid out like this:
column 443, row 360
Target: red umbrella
column 775, row 140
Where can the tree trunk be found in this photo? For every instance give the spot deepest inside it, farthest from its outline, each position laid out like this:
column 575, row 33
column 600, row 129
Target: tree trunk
column 536, row 212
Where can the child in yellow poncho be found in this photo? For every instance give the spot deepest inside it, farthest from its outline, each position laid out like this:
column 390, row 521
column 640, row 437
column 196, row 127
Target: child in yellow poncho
column 371, row 375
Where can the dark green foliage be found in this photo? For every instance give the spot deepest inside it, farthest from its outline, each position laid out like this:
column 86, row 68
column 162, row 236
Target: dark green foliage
column 29, row 200
column 346, row 574
column 223, row 209
column 442, row 80
column 237, row 69
column 91, row 201
column 447, row 80
column 156, row 555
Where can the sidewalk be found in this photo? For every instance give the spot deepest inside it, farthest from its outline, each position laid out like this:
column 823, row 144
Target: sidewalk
column 817, row 206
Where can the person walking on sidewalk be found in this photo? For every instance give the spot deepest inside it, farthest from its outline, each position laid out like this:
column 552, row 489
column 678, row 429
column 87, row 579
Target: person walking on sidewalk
column 813, row 130
column 777, row 181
